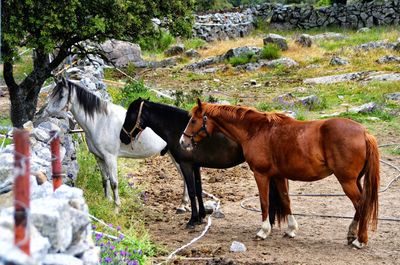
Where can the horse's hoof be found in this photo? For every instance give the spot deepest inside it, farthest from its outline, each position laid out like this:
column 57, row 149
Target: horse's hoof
column 180, row 210
column 218, row 214
column 289, row 234
column 190, row 226
column 261, row 234
column 358, row 244
column 350, row 239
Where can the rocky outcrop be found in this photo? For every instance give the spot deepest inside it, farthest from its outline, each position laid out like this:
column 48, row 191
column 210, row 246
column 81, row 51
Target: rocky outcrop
column 221, row 26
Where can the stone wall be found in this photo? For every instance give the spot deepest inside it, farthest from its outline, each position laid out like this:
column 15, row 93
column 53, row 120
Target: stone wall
column 220, row 26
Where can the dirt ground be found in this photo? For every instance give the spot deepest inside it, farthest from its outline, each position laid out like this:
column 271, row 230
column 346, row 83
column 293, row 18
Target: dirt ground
column 319, row 240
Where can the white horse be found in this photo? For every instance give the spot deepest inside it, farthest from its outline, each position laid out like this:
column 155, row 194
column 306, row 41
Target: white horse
column 102, row 122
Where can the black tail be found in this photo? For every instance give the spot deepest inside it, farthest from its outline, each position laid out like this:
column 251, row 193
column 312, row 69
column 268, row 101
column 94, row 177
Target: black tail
column 276, row 210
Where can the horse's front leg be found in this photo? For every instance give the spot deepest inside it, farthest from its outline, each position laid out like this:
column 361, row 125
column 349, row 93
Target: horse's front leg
column 199, row 194
column 187, row 171
column 262, row 181
column 105, row 178
column 111, row 170
column 184, row 206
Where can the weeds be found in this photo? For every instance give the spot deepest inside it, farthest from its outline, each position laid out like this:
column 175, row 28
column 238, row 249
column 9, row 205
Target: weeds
column 270, row 51
column 243, row 59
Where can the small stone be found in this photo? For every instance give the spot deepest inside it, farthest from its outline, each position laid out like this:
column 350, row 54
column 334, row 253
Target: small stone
column 393, row 96
column 363, row 30
column 365, row 108
column 338, row 61
column 237, row 247
column 192, row 53
column 253, row 82
column 40, row 177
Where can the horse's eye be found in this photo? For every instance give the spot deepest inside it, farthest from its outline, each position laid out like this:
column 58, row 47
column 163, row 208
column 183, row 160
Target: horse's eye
column 193, row 121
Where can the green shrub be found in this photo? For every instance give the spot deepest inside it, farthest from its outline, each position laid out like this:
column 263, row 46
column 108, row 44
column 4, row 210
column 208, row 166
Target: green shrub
column 243, row 59
column 156, row 43
column 270, row 51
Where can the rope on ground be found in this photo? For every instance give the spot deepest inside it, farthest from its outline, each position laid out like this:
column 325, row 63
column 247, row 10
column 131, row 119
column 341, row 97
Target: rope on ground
column 107, row 226
column 206, row 228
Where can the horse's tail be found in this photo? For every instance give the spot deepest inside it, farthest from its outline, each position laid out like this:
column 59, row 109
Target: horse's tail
column 369, row 201
column 276, row 210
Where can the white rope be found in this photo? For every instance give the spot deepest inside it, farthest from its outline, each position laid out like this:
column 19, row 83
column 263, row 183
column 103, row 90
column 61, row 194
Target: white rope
column 105, row 224
column 206, row 228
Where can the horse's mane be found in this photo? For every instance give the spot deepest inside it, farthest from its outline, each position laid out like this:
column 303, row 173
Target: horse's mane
column 233, row 113
column 88, row 101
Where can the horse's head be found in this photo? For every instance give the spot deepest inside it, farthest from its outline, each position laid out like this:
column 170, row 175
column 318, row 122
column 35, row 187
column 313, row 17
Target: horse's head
column 132, row 125
column 59, row 98
column 199, row 127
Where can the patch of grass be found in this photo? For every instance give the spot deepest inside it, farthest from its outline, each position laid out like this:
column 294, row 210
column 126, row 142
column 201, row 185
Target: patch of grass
column 270, row 51
column 357, row 38
column 243, row 59
column 129, row 219
column 5, row 126
column 131, row 92
column 367, row 117
column 395, row 150
column 195, row 43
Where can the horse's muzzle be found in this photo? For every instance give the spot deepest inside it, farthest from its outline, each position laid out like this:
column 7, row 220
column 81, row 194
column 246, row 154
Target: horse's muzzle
column 186, row 143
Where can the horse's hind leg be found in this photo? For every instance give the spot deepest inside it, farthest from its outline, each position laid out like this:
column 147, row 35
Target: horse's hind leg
column 105, row 178
column 352, row 191
column 284, row 211
column 263, row 189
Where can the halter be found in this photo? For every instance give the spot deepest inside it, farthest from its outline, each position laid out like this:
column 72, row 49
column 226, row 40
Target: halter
column 202, row 128
column 137, row 125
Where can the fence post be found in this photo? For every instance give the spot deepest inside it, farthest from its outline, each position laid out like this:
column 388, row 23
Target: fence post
column 21, row 189
column 55, row 160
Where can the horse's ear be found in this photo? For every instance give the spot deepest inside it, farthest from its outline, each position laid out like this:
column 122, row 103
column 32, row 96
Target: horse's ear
column 199, row 104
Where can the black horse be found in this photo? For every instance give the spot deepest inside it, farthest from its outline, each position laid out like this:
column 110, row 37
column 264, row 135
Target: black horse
column 215, row 151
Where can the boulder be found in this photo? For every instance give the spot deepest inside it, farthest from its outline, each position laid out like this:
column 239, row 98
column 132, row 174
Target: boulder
column 236, row 52
column 276, row 39
column 287, row 62
column 192, row 53
column 175, row 50
column 304, row 40
column 122, row 53
column 393, row 96
column 388, row 59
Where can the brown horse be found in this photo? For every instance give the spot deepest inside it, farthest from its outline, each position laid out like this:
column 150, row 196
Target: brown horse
column 277, row 146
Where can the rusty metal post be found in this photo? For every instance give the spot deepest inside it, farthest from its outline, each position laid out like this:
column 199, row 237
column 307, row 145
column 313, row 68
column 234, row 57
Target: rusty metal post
column 21, row 189
column 55, row 160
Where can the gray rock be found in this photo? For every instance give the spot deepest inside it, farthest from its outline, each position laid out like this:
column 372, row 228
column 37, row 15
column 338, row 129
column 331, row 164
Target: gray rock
column 304, row 40
column 335, row 60
column 205, row 62
column 237, row 247
column 276, row 39
column 53, row 220
column 393, row 96
column 287, row 62
column 366, row 108
column 175, row 50
column 309, row 101
column 192, row 53
column 121, row 53
column 363, row 30
column 383, row 77
column 61, row 259
column 91, row 256
column 329, row 36
column 236, row 52
column 388, row 59
column 336, row 78
column 163, row 63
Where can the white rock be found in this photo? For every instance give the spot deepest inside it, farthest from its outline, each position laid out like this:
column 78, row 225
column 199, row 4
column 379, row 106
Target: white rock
column 61, row 259
column 238, row 247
